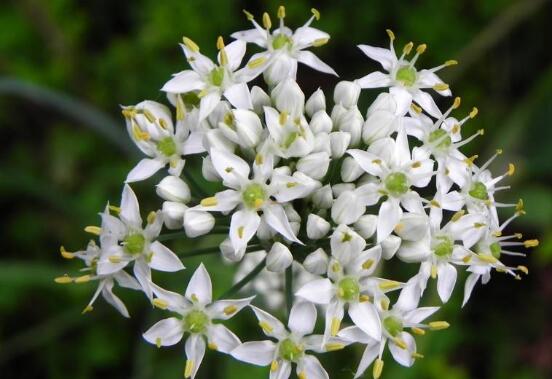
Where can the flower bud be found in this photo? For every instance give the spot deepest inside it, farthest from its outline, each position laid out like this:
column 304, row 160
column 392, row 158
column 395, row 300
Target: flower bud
column 228, row 252
column 242, row 127
column 366, row 225
column 291, row 213
column 346, row 208
column 173, row 214
column 322, row 144
column 339, row 188
column 378, row 125
column 389, row 246
column 314, row 165
column 321, row 122
column 288, row 97
column 412, row 227
column 198, row 223
column 317, row 227
column 339, row 142
column 316, row 262
column 315, row 103
column 172, row 188
column 346, row 93
column 295, row 227
column 215, row 139
column 260, row 99
column 384, row 102
column 208, row 170
column 337, row 112
column 351, row 122
column 279, row 258
column 322, row 198
column 264, row 232
column 350, row 170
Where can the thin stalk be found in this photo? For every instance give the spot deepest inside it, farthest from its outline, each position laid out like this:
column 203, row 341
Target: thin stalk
column 171, row 236
column 249, row 277
column 194, row 184
column 289, row 288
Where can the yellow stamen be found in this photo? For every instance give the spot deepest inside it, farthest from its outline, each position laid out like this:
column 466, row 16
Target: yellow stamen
column 531, row 243
column 474, row 112
column 291, row 184
column 363, row 298
column 151, row 217
column 519, row 207
column 240, row 231
column 467, row 258
column 336, row 267
column 209, row 202
column 438, row 325
column 274, row 366
column 441, row 87
column 511, row 169
column 149, row 116
column 266, row 327
column 223, row 57
column 87, row 309
column 523, row 269
column 408, row 48
column 249, row 16
column 384, row 304
column 400, row 343
column 281, row 11
column 114, row 209
column 320, row 42
column 389, row 284
column 194, row 298
column 457, row 102
column 212, row 346
column 367, row 264
column 421, row 48
column 458, row 215
column 160, row 303
column 65, row 254
column 158, row 342
column 230, row 310
column 267, row 23
column 220, row 43
column 416, row 108
column 334, row 346
column 257, row 62
column 258, row 203
column 190, row 44
column 302, row 375
column 282, row 119
column 433, row 271
column 469, row 161
column 114, row 259
column 434, row 203
column 390, row 34
column 315, row 13
column 83, row 279
column 487, row 258
column 96, row 230
column 451, row 62
column 378, row 368
column 417, row 356
column 334, row 327
column 65, row 279
column 418, row 331
column 188, row 369
column 259, row 160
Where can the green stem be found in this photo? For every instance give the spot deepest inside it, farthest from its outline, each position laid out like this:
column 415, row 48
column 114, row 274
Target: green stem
column 249, row 277
column 289, row 288
column 171, row 236
column 194, row 184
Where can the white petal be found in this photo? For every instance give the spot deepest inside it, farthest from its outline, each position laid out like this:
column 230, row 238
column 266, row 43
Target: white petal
column 425, row 100
column 251, row 36
column 375, row 80
column 276, row 218
column 334, row 311
column 404, row 356
column 471, row 281
column 235, row 52
column 306, row 35
column 388, row 217
column 223, row 338
column 354, row 334
column 384, row 56
column 124, row 279
column 402, row 98
column 239, row 96
column 207, row 104
column 367, row 161
column 302, row 318
column 220, row 310
column 184, row 81
column 111, row 298
column 418, row 315
column 445, row 281
column 272, row 326
column 283, row 371
column 243, row 226
column 313, row 61
column 312, row 368
column 370, row 354
column 366, row 317
column 163, row 259
column 142, row 273
column 226, row 201
column 259, row 353
column 200, row 287
column 166, row 332
column 144, row 169
column 318, row 291
column 175, row 301
column 130, row 209
column 232, row 169
column 195, row 350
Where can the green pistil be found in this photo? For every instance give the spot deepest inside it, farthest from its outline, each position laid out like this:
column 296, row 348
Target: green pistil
column 479, row 191
column 444, row 247
column 348, row 289
column 406, row 75
column 495, row 250
column 396, row 183
column 217, row 76
column 289, row 350
column 393, row 325
column 134, row 243
column 166, row 146
column 281, row 40
column 254, row 196
column 442, row 136
column 196, row 322
column 290, row 139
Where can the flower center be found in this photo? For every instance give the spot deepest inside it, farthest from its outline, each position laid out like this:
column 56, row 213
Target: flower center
column 495, row 249
column 289, row 350
column 134, row 243
column 348, row 289
column 396, row 183
column 393, row 325
column 444, row 247
column 479, row 191
column 406, row 75
column 291, row 137
column 280, row 41
column 441, row 137
column 196, row 321
column 166, row 146
column 254, row 196
column 217, row 76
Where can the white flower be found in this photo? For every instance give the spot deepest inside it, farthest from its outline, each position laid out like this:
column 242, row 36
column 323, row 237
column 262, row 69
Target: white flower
column 291, row 346
column 317, row 227
column 284, row 48
column 125, row 240
column 172, row 188
column 279, row 258
column 198, row 223
column 403, row 78
column 214, row 81
column 243, row 127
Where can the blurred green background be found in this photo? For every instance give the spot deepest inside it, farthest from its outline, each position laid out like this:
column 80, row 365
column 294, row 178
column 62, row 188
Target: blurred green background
column 66, row 65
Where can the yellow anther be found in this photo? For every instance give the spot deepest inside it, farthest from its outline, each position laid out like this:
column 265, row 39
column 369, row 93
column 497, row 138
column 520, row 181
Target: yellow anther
column 408, row 48
column 390, row 34
column 65, row 254
column 128, row 112
column 531, row 243
column 368, row 264
column 384, row 304
column 266, row 327
column 65, row 279
column 291, row 184
column 376, row 161
column 434, row 203
column 240, row 231
column 481, row 131
column 469, row 161
column 258, row 203
column 378, row 368
column 441, row 87
column 334, row 327
column 257, row 62
column 87, row 309
column 451, row 62
column 114, row 209
column 96, row 230
column 334, row 346
column 114, row 259
column 438, row 325
column 188, row 370
column 417, row 356
column 274, row 366
column 416, row 164
column 209, row 202
column 416, row 108
column 519, row 207
column 281, row 11
column 418, row 331
column 267, row 23
column 457, row 216
column 190, row 44
column 467, row 258
column 249, row 16
column 363, row 298
column 457, row 102
column 148, row 115
column 223, row 57
column 433, row 271
column 517, row 277
column 220, row 43
column 204, row 92
column 163, row 124
column 151, row 217
column 315, row 13
column 498, row 151
column 212, row 346
column 511, row 169
column 158, row 342
column 160, row 303
column 83, row 279
column 138, row 134
column 336, row 267
column 259, row 160
column 400, row 343
column 389, row 285
column 523, row 269
column 282, row 119
column 180, row 108
column 320, row 42
column 421, row 48
column 399, row 228
column 230, row 310
column 487, row 258
column 302, row 375
column 474, row 112
column 194, row 297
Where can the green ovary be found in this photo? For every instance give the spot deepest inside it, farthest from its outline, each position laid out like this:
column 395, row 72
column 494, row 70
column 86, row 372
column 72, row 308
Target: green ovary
column 254, row 196
column 134, row 243
column 280, row 41
column 348, row 289
column 444, row 247
column 166, row 146
column 196, row 322
column 291, row 137
column 397, row 184
column 495, row 250
column 393, row 325
column 289, row 350
column 406, row 75
column 442, row 136
column 479, row 191
column 217, row 76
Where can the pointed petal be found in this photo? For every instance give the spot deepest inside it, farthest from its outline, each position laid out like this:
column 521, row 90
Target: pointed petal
column 445, row 281
column 130, row 209
column 312, row 369
column 384, row 56
column 302, row 318
column 243, row 226
column 111, row 298
column 207, row 104
column 375, row 80
column 222, row 338
column 232, row 169
column 184, row 81
column 367, row 160
column 235, row 52
column 200, row 287
column 276, row 218
column 145, row 169
column 259, row 353
column 166, row 332
column 311, row 60
column 195, row 351
column 283, row 371
column 318, row 291
column 425, row 100
column 388, row 217
column 142, row 273
column 370, row 354
column 471, row 281
column 175, row 301
column 404, row 356
column 226, row 309
column 366, row 317
column 239, row 96
column 163, row 259
column 271, row 326
column 418, row 315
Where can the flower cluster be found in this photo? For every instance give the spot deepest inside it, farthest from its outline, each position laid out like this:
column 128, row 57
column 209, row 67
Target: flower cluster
column 312, row 201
